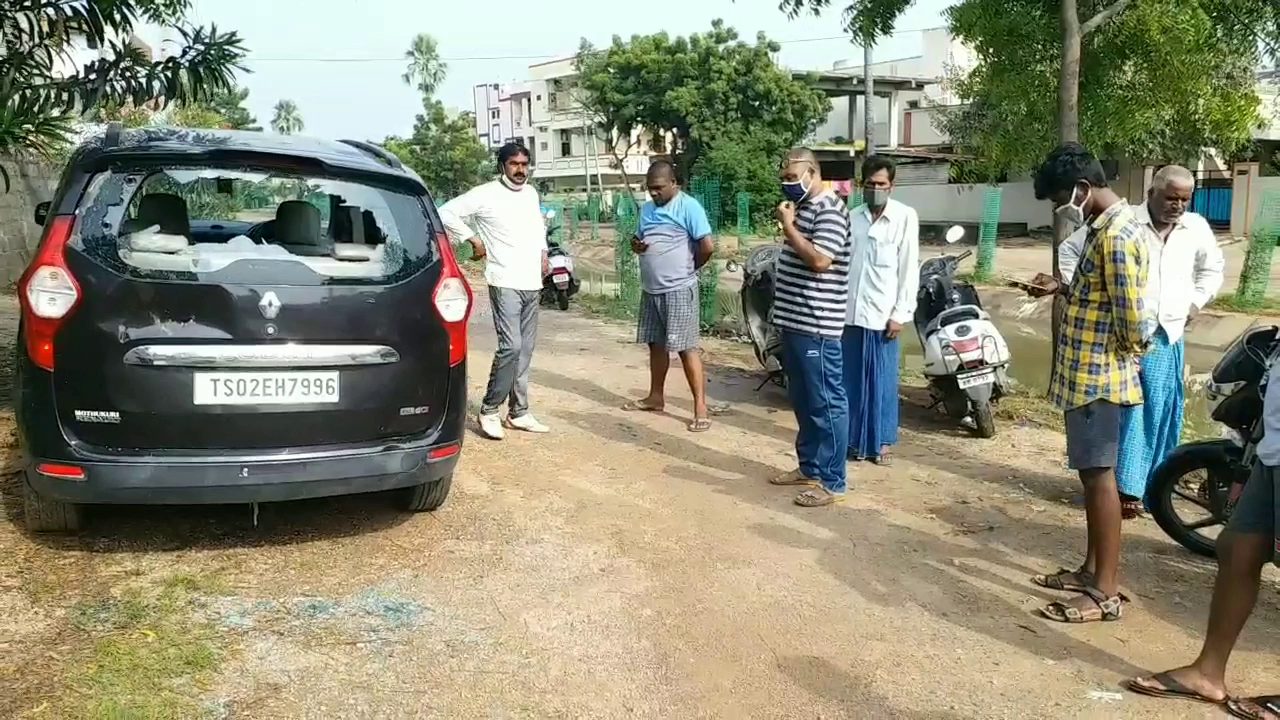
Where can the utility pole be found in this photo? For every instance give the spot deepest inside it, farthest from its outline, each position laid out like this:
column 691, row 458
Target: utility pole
column 868, row 82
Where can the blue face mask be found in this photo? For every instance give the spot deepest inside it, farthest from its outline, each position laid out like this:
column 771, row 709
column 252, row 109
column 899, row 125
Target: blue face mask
column 795, row 192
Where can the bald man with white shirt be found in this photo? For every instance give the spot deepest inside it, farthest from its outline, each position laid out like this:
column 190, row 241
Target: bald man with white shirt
column 1184, row 275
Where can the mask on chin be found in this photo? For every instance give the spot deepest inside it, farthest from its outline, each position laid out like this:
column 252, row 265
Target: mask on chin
column 1072, row 212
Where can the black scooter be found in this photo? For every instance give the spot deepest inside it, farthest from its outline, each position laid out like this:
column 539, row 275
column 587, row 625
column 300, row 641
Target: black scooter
column 1235, row 395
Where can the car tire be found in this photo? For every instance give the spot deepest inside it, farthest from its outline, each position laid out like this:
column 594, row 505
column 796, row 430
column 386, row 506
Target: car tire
column 428, row 496
column 46, row 515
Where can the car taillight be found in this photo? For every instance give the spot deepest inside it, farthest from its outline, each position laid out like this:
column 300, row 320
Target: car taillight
column 48, row 291
column 452, row 299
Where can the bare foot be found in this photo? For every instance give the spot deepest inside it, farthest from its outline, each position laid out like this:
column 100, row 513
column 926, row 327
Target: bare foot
column 1184, row 683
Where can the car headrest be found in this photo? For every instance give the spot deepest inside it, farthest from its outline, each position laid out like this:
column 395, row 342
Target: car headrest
column 167, row 211
column 297, row 223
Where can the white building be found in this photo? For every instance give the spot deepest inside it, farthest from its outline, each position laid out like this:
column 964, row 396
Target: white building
column 568, row 149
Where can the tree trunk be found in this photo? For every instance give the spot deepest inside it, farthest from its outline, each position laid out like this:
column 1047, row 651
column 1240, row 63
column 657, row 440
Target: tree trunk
column 1068, row 131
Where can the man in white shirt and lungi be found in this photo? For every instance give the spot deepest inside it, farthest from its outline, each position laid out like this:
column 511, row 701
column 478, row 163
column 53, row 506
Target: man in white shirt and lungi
column 883, row 279
column 1184, row 274
column 509, row 231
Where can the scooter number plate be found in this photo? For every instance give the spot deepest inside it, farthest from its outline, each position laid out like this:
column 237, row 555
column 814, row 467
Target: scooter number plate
column 560, row 279
column 982, row 377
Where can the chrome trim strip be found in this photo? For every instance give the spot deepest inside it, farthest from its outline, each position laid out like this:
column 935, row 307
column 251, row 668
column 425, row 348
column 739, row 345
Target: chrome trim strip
column 289, row 355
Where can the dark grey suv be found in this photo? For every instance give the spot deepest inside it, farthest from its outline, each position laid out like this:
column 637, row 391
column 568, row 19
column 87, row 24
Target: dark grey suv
column 233, row 317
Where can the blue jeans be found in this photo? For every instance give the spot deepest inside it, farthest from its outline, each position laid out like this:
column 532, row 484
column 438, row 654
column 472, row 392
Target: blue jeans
column 815, row 381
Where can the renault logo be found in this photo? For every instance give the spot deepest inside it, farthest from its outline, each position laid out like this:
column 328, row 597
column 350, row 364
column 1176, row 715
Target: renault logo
column 269, row 305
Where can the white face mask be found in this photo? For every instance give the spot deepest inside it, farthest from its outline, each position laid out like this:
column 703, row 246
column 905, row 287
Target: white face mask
column 1073, row 212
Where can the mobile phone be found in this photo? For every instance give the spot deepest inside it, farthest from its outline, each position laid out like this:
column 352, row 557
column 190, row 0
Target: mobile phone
column 1026, row 286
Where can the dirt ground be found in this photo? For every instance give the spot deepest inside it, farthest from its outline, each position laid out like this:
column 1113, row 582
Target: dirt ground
column 619, row 567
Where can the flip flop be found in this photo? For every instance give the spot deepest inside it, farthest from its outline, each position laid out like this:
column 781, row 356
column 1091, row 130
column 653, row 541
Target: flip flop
column 641, row 406
column 700, row 425
column 1269, row 704
column 1170, row 689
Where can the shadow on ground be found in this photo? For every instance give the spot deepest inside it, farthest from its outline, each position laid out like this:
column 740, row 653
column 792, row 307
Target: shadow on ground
column 170, row 528
column 965, row 582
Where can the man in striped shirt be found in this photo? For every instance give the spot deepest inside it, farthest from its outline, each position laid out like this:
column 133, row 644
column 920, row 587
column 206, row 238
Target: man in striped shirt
column 811, row 290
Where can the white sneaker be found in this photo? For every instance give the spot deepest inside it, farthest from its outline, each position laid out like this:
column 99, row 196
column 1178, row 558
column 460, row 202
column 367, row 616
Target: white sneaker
column 491, row 426
column 528, row 423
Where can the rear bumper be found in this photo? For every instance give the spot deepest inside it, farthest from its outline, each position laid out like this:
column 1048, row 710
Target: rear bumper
column 217, row 481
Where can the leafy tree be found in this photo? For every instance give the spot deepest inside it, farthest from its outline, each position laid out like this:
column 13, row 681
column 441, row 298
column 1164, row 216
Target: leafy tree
column 698, row 88
column 229, row 103
column 426, row 70
column 443, row 150
column 286, row 119
column 42, row 92
column 710, row 88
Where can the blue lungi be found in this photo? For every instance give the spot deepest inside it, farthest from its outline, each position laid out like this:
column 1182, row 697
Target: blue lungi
column 871, row 382
column 1150, row 431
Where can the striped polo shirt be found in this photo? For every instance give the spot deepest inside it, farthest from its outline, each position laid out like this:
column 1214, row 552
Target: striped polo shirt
column 806, row 301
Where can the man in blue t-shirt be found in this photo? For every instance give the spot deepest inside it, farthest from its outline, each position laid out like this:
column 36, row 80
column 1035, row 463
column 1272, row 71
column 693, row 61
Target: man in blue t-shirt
column 673, row 240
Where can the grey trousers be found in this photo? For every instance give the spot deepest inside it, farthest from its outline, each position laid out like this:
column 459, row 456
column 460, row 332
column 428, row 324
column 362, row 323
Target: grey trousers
column 515, row 317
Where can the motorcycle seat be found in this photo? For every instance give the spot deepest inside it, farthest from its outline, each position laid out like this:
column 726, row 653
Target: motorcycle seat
column 953, row 315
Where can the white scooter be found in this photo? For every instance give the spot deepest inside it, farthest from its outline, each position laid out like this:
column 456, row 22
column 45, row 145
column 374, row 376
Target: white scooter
column 966, row 358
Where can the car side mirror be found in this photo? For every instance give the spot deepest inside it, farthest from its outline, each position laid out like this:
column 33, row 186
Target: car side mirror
column 42, row 212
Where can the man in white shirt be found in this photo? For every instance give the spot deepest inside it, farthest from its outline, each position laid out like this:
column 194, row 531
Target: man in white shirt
column 883, row 278
column 1184, row 274
column 508, row 230
column 1251, row 538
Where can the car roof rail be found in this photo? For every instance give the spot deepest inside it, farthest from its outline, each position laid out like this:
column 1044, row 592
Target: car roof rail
column 379, row 152
column 112, row 137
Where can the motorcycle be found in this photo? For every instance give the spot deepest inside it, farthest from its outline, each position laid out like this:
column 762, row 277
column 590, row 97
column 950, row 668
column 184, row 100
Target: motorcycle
column 1234, row 393
column 559, row 284
column 966, row 358
column 756, row 296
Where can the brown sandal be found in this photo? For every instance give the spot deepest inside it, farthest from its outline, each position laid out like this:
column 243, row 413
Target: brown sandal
column 794, row 477
column 1108, row 608
column 1132, row 509
column 642, row 406
column 818, row 497
column 1058, row 580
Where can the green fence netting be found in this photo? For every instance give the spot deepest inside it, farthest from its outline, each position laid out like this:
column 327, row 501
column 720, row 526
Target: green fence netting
column 1256, row 275
column 991, row 199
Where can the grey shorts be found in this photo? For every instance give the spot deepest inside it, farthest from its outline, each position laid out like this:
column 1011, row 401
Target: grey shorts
column 1258, row 510
column 670, row 319
column 1093, row 435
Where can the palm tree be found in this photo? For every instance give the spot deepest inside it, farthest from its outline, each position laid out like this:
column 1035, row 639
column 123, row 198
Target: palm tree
column 425, row 70
column 287, row 120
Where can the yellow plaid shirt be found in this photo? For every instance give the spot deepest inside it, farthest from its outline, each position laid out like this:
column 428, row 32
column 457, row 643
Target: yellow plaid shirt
column 1102, row 336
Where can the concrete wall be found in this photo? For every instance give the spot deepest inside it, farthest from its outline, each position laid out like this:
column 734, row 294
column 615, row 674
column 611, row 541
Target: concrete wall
column 29, row 183
column 1249, row 189
column 963, row 203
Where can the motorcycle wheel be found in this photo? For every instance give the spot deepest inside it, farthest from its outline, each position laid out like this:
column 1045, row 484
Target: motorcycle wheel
column 1221, row 469
column 984, row 417
column 562, row 299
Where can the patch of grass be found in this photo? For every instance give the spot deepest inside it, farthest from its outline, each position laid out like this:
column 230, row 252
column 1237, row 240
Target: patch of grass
column 606, row 306
column 1229, row 303
column 152, row 652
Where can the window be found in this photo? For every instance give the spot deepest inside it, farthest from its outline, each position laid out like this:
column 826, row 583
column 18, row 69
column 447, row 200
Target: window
column 495, row 133
column 539, row 98
column 243, row 226
column 542, row 146
column 658, row 144
column 493, row 114
column 566, row 143
column 913, row 104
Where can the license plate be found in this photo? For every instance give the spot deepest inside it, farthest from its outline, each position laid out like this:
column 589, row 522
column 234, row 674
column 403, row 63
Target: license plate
column 265, row 388
column 560, row 279
column 982, row 377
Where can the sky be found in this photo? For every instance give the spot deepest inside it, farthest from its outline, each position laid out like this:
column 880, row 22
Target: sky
column 341, row 62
